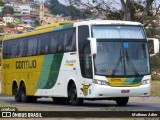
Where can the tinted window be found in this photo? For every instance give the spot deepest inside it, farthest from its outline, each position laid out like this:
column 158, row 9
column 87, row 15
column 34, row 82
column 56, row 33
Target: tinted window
column 60, row 42
column 43, row 43
column 63, row 41
column 68, row 39
column 84, row 48
column 6, row 49
column 14, row 48
column 31, row 45
column 74, row 41
column 54, row 42
column 22, row 47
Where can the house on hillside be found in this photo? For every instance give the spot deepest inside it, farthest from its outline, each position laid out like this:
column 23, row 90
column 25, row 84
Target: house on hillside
column 8, row 31
column 2, row 22
column 8, row 18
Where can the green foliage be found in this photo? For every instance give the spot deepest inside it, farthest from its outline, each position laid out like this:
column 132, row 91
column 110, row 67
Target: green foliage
column 36, row 22
column 58, row 8
column 155, row 78
column 8, row 10
column 115, row 15
column 1, row 30
column 155, row 67
column 152, row 31
column 1, row 3
column 155, row 62
column 136, row 11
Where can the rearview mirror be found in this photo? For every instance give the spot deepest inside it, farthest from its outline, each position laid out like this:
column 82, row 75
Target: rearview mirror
column 153, row 44
column 93, row 45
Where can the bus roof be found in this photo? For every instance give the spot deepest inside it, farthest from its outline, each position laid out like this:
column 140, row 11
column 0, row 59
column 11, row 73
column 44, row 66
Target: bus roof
column 107, row 22
column 42, row 29
column 69, row 24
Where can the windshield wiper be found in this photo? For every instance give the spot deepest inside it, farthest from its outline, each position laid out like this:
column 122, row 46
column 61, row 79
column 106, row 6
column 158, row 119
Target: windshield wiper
column 131, row 64
column 118, row 63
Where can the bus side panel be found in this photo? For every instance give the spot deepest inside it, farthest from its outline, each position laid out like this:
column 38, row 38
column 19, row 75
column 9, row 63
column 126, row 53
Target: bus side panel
column 69, row 70
column 7, row 84
column 26, row 70
column 49, row 74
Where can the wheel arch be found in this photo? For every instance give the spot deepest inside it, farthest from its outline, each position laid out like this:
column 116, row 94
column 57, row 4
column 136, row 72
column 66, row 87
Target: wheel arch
column 22, row 82
column 70, row 82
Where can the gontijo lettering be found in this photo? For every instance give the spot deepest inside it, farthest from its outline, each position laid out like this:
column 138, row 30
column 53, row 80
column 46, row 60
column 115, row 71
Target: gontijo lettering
column 26, row 64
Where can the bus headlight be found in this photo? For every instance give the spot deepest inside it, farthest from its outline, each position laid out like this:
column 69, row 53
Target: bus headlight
column 100, row 82
column 143, row 82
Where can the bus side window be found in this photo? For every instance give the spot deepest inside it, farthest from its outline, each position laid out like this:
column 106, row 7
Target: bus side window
column 6, row 49
column 87, row 62
column 22, row 47
column 68, row 35
column 43, row 44
column 74, row 40
column 83, row 43
column 60, row 41
column 31, row 46
column 14, row 48
column 54, row 42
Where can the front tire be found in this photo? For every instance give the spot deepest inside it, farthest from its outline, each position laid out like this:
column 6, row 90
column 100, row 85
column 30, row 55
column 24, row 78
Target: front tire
column 73, row 95
column 122, row 101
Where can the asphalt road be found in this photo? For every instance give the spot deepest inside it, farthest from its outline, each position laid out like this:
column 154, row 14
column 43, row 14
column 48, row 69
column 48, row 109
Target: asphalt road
column 46, row 104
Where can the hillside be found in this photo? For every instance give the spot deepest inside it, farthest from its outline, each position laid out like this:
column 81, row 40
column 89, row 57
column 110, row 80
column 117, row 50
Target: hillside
column 57, row 8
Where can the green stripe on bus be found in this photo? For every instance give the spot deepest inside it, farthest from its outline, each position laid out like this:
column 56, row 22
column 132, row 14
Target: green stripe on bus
column 45, row 71
column 58, row 28
column 137, row 80
column 54, row 71
column 67, row 26
column 133, row 80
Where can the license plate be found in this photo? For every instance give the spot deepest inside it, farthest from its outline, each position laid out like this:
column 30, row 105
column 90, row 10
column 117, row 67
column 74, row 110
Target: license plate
column 125, row 91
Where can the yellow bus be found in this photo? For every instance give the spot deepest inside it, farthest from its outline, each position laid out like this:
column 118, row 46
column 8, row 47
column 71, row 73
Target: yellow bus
column 73, row 62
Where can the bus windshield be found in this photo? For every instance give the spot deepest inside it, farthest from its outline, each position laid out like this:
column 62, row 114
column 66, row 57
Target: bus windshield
column 118, row 54
column 122, row 58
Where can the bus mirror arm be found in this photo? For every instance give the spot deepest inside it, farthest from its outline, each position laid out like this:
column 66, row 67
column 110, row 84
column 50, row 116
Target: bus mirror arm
column 93, row 46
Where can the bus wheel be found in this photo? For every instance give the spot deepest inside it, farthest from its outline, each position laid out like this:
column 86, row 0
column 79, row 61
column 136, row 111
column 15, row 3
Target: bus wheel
column 73, row 96
column 122, row 101
column 24, row 98
column 16, row 93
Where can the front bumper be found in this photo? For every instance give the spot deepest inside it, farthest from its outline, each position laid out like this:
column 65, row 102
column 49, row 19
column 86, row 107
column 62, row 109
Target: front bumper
column 103, row 91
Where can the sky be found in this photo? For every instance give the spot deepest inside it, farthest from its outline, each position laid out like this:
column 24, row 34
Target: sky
column 116, row 5
column 61, row 1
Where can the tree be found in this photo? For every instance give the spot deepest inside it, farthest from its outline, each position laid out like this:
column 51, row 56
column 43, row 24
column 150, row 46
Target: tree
column 57, row 8
column 8, row 10
column 10, row 25
column 144, row 11
column 1, row 3
column 36, row 22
